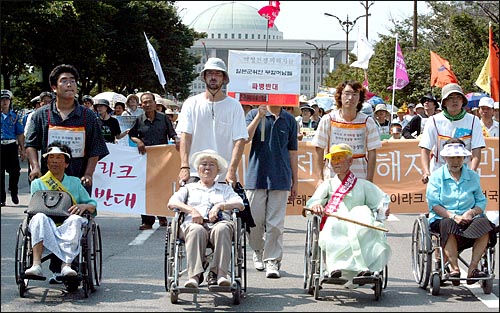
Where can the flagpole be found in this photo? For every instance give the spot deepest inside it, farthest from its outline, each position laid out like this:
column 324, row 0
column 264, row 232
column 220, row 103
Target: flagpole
column 394, row 77
column 267, row 35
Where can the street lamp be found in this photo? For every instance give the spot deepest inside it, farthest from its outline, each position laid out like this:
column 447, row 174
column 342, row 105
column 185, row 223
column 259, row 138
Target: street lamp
column 321, row 52
column 347, row 27
column 314, row 61
column 367, row 7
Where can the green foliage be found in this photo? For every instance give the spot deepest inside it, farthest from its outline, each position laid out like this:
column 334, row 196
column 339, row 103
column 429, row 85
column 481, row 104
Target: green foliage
column 457, row 31
column 104, row 40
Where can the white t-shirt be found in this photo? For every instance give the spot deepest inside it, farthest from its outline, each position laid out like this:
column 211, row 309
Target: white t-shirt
column 438, row 129
column 213, row 125
column 492, row 131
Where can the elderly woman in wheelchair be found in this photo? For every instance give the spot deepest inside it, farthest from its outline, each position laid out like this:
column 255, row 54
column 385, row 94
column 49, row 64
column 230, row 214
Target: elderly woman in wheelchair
column 351, row 251
column 204, row 204
column 456, row 206
column 62, row 240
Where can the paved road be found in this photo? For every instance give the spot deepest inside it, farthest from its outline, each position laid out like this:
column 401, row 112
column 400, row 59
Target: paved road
column 133, row 276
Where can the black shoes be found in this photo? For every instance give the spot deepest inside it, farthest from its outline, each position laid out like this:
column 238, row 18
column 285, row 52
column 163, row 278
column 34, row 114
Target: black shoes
column 15, row 198
column 212, row 279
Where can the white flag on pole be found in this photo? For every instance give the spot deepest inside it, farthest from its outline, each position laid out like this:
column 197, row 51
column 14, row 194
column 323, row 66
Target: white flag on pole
column 156, row 62
column 365, row 52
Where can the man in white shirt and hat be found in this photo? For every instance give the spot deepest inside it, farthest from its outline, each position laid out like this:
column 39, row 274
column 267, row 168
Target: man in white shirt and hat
column 490, row 126
column 212, row 120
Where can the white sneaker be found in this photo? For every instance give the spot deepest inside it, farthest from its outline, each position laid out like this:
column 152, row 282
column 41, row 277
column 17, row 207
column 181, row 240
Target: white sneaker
column 223, row 281
column 191, row 283
column 272, row 269
column 66, row 270
column 35, row 270
column 257, row 260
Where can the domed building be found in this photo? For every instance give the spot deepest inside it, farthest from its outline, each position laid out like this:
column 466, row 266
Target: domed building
column 237, row 26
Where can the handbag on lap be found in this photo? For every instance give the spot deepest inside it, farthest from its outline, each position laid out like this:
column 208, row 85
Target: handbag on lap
column 53, row 203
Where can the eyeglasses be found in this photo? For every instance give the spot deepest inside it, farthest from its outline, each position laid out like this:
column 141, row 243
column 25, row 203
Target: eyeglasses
column 350, row 94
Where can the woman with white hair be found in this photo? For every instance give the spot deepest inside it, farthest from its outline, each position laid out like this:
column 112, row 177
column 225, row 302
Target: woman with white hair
column 204, row 204
column 456, row 209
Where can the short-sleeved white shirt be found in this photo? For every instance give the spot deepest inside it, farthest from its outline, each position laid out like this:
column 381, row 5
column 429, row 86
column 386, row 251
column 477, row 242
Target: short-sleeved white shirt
column 438, row 129
column 493, row 131
column 213, row 125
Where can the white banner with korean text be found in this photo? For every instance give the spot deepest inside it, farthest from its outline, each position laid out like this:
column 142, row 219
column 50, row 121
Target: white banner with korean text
column 259, row 77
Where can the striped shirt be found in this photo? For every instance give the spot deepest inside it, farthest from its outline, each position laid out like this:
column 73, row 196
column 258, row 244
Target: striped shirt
column 324, row 138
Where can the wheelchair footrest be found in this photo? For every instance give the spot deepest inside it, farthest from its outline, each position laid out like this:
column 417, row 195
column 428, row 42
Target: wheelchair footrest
column 364, row 280
column 33, row 277
column 63, row 278
column 187, row 290
column 334, row 281
column 216, row 288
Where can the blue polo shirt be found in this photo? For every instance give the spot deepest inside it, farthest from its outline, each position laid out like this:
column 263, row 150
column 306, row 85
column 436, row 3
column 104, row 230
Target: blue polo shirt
column 11, row 126
column 269, row 161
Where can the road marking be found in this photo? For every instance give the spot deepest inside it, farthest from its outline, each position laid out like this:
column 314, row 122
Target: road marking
column 143, row 236
column 491, row 300
column 392, row 218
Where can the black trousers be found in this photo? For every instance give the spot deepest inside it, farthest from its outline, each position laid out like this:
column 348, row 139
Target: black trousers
column 10, row 164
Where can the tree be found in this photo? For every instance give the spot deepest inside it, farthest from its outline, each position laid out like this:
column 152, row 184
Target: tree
column 103, row 40
column 457, row 31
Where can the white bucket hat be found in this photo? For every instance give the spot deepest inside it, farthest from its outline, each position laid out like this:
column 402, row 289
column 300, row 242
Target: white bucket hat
column 217, row 65
column 208, row 153
column 455, row 149
column 453, row 88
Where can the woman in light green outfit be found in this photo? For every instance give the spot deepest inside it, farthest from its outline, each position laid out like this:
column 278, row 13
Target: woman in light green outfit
column 351, row 250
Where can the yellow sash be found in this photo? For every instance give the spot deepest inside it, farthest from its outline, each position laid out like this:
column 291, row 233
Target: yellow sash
column 53, row 183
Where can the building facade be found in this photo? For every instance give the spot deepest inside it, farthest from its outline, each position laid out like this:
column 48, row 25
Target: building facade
column 237, row 26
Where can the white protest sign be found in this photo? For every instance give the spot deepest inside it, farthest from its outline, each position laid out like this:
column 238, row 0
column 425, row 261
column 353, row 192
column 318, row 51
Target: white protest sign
column 119, row 181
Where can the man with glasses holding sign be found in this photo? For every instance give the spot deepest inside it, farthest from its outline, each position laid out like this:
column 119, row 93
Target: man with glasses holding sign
column 348, row 125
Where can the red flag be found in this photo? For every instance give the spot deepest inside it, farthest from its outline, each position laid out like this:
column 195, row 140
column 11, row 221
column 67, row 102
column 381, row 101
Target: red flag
column 270, row 12
column 494, row 71
column 441, row 74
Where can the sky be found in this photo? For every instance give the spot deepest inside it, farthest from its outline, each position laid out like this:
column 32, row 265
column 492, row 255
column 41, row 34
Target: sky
column 306, row 19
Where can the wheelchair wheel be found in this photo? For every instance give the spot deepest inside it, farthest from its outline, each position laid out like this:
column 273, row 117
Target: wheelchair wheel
column 307, row 257
column 421, row 252
column 97, row 253
column 385, row 277
column 174, row 294
column 86, row 264
column 378, row 288
column 169, row 254
column 316, row 288
column 237, row 294
column 435, row 284
column 487, row 286
column 23, row 257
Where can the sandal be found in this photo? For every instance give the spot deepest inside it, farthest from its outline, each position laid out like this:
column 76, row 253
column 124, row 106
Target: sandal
column 455, row 274
column 475, row 274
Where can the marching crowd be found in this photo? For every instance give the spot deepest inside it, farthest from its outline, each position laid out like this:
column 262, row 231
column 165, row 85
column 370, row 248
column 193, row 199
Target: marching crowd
column 210, row 133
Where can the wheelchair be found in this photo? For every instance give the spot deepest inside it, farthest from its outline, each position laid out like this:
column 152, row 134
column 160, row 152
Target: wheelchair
column 428, row 264
column 88, row 264
column 176, row 267
column 315, row 273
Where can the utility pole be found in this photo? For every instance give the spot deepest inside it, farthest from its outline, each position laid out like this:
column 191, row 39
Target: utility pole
column 415, row 17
